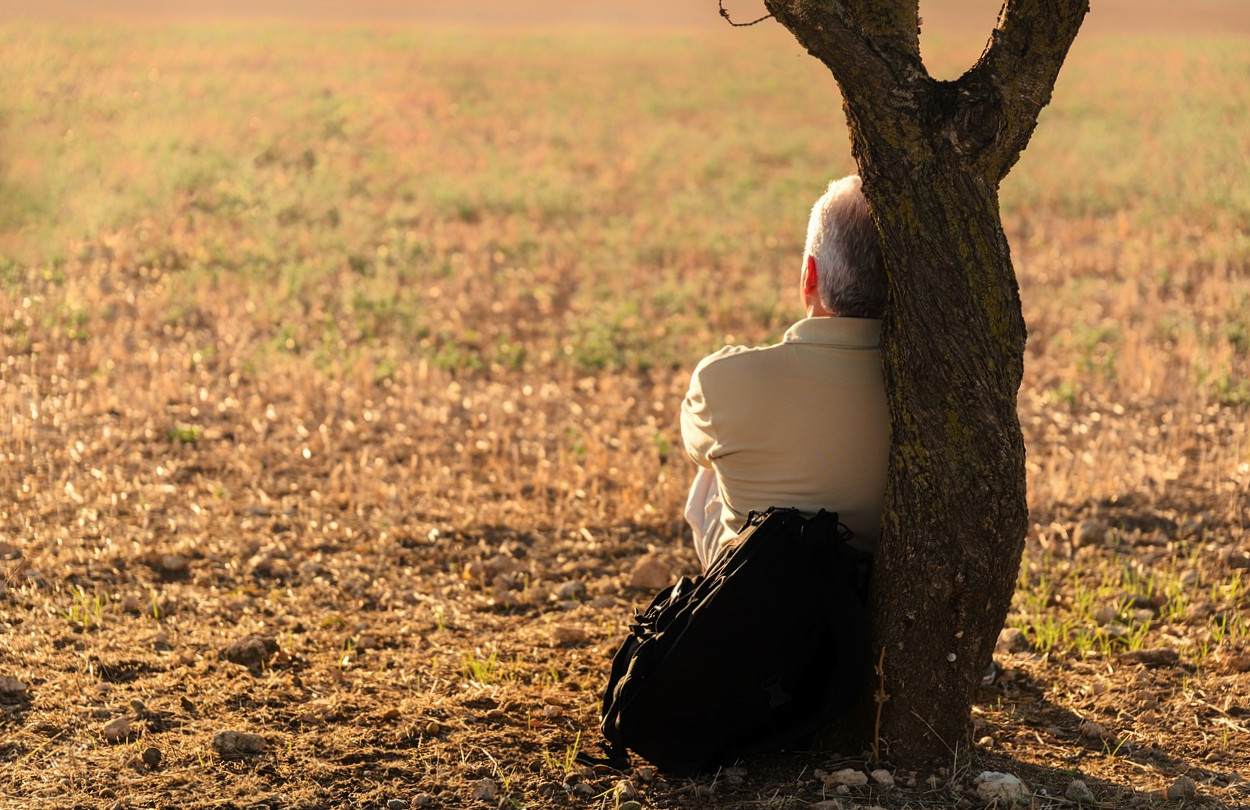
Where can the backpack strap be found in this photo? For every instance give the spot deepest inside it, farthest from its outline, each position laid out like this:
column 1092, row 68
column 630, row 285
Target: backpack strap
column 845, row 609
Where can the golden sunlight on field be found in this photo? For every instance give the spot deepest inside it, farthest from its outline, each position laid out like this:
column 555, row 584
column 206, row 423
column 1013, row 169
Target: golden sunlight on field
column 340, row 363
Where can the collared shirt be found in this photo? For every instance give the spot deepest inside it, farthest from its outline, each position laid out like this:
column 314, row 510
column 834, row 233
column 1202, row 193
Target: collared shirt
column 802, row 423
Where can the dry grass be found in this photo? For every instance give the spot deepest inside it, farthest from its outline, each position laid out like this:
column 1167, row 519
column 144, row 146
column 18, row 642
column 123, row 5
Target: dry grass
column 371, row 344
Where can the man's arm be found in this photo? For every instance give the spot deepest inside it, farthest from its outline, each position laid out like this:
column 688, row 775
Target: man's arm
column 696, row 423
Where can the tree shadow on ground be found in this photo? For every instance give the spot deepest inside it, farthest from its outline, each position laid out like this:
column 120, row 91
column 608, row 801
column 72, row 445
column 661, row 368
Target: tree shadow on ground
column 1023, row 731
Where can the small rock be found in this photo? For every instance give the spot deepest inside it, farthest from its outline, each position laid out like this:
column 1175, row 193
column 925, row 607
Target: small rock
column 11, row 689
column 1002, row 787
column 573, row 589
column 569, row 634
column 238, row 743
column 433, row 729
column 882, row 777
column 1012, row 640
column 625, row 791
column 650, row 573
column 1182, row 788
column 423, row 800
column 484, row 790
column 397, row 804
column 847, row 776
column 152, row 757
column 116, row 730
column 645, row 773
column 1079, row 792
column 583, row 789
column 140, row 708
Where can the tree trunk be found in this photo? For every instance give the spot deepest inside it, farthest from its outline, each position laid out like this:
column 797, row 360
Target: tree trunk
column 932, row 154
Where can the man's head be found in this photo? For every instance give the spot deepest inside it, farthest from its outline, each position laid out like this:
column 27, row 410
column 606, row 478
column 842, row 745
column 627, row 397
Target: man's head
column 843, row 273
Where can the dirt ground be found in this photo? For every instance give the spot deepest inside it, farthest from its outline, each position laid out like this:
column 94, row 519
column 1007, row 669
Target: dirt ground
column 428, row 665
column 341, row 569
column 234, row 585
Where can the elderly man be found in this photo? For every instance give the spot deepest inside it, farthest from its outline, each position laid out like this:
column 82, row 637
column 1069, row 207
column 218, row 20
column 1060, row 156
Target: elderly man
column 802, row 423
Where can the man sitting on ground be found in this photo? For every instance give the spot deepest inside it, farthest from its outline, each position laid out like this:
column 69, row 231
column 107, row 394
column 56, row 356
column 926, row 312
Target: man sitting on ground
column 802, row 423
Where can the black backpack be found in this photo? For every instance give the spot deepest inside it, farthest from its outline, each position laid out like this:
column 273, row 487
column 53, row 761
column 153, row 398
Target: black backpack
column 766, row 648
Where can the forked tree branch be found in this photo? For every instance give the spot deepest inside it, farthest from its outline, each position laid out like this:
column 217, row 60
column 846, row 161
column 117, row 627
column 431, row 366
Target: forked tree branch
column 1026, row 50
column 831, row 32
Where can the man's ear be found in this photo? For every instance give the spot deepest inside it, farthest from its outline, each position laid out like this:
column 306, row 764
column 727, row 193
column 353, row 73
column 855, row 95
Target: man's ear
column 810, row 279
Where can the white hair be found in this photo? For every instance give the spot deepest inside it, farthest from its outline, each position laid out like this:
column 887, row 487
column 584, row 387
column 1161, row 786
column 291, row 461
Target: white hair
column 843, row 239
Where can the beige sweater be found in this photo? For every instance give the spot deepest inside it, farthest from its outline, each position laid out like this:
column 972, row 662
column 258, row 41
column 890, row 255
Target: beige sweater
column 802, row 424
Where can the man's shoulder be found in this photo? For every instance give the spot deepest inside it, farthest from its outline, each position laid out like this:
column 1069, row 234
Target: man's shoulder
column 732, row 357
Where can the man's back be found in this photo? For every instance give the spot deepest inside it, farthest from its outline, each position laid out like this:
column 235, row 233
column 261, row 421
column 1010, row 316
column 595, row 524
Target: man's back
column 803, row 423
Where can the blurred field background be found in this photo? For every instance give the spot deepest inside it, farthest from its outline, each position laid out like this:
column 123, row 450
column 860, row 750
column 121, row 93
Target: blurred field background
column 397, row 288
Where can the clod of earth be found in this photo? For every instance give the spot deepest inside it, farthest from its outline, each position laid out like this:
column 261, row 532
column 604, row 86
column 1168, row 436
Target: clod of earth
column 152, row 757
column 484, row 790
column 625, row 791
column 650, row 573
column 238, row 744
column 116, row 730
column 253, row 652
column 1157, row 657
column 570, row 634
column 847, row 776
column 1182, row 788
column 1079, row 792
column 11, row 689
column 1094, row 731
column 1012, row 640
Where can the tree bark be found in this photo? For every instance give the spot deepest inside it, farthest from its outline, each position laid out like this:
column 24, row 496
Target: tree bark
column 932, row 154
